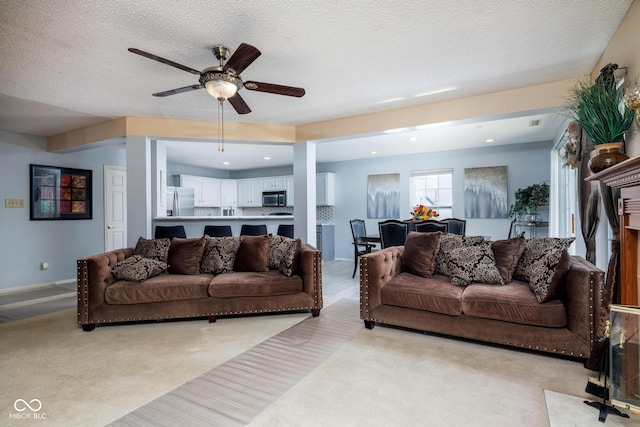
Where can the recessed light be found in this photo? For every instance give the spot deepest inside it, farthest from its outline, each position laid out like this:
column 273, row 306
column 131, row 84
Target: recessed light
column 489, row 140
column 413, row 138
column 267, row 158
column 225, row 163
column 374, row 152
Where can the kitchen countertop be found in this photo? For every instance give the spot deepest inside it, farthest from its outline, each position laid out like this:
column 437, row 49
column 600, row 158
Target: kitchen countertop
column 211, row 217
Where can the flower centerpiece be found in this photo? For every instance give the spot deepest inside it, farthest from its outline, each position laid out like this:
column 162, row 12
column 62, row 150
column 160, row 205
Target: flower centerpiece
column 423, row 212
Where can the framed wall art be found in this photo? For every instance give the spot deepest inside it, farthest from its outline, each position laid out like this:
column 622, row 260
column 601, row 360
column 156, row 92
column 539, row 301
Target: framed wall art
column 383, row 196
column 485, row 192
column 60, row 193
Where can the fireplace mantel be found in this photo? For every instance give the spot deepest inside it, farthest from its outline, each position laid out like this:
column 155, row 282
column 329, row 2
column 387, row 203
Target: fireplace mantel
column 622, row 175
column 626, row 177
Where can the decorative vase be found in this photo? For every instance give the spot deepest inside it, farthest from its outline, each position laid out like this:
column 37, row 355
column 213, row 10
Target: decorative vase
column 604, row 156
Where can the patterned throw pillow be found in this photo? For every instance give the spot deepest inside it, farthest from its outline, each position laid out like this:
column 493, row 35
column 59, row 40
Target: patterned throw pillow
column 547, row 289
column 448, row 242
column 420, row 251
column 219, row 254
column 535, row 260
column 473, row 264
column 282, row 253
column 538, row 264
column 137, row 268
column 157, row 249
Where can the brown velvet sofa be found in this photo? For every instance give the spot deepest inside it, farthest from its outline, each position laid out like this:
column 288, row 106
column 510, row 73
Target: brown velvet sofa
column 102, row 299
column 508, row 314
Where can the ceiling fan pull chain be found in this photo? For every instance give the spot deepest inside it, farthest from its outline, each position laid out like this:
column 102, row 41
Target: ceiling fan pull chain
column 222, row 124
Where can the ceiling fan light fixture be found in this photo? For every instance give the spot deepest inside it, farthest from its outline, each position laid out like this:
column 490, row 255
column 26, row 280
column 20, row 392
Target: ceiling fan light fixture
column 220, row 86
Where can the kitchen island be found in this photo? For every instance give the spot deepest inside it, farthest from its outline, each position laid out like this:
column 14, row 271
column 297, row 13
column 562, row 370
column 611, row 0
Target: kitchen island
column 194, row 225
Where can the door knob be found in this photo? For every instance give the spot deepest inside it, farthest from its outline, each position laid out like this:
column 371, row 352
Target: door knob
column 109, row 227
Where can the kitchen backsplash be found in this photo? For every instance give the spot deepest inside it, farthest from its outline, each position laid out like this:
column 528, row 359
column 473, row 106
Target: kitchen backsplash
column 323, row 213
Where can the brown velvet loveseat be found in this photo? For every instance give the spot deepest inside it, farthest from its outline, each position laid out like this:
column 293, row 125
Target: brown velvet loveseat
column 507, row 313
column 186, row 292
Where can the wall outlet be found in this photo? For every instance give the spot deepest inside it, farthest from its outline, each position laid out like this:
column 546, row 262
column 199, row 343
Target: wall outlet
column 14, row 203
column 44, row 265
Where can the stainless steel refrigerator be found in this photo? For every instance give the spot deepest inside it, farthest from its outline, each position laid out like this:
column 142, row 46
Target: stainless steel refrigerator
column 180, row 201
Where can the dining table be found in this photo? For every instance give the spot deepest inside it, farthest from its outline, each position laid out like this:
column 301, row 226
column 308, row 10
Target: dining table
column 371, row 238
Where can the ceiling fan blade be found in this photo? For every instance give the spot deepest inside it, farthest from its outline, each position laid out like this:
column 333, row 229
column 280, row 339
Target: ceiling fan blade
column 163, row 60
column 238, row 104
column 179, row 90
column 277, row 89
column 242, row 58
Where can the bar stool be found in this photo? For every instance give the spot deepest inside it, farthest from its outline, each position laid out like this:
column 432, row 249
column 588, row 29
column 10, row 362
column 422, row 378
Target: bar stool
column 253, row 230
column 218, row 230
column 166, row 231
column 285, row 230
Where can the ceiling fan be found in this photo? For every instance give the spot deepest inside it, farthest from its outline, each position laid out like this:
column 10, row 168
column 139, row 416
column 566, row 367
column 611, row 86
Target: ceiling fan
column 223, row 81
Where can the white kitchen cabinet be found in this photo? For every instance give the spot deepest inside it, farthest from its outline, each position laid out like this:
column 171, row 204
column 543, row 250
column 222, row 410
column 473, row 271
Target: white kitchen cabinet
column 325, row 194
column 210, row 192
column 250, row 192
column 274, row 183
column 289, row 189
column 228, row 193
column 206, row 191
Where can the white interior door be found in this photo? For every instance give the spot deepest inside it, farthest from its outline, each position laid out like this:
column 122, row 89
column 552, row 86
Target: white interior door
column 115, row 207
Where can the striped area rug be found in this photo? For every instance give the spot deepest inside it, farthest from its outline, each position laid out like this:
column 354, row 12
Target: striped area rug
column 234, row 393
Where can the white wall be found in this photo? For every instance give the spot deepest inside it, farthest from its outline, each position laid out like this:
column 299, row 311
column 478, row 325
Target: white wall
column 61, row 243
column 25, row 243
column 526, row 164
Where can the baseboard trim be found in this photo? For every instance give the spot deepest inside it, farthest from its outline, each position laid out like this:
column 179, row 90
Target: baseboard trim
column 37, row 301
column 34, row 286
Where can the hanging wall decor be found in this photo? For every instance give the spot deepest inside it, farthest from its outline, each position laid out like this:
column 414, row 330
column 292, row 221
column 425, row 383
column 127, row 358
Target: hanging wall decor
column 60, row 193
column 383, row 196
column 485, row 192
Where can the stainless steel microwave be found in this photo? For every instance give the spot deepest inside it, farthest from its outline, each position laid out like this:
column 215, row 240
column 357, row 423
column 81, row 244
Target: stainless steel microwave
column 274, row 199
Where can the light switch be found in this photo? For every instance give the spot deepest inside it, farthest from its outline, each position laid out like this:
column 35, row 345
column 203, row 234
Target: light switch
column 14, row 203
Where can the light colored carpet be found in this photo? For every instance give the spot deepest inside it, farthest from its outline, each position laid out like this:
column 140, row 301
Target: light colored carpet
column 384, row 376
column 393, row 377
column 234, row 393
column 93, row 378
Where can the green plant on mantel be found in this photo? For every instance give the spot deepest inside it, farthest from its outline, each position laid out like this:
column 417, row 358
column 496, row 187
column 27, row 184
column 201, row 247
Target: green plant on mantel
column 599, row 109
column 529, row 199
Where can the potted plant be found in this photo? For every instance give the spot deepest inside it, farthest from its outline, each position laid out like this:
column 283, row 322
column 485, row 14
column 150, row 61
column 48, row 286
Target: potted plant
column 529, row 199
column 599, row 110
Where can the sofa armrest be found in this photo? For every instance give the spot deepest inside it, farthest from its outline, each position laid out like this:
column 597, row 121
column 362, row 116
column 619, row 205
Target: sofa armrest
column 583, row 298
column 310, row 270
column 94, row 275
column 377, row 268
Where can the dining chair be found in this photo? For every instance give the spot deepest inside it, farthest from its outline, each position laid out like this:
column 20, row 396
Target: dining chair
column 456, row 226
column 360, row 246
column 218, row 230
column 253, row 230
column 285, row 230
column 169, row 231
column 430, row 225
column 393, row 232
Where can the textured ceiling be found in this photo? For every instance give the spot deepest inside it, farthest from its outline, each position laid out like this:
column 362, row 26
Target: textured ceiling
column 64, row 64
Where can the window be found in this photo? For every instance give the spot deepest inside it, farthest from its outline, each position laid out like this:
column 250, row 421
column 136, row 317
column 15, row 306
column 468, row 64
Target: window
column 433, row 189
